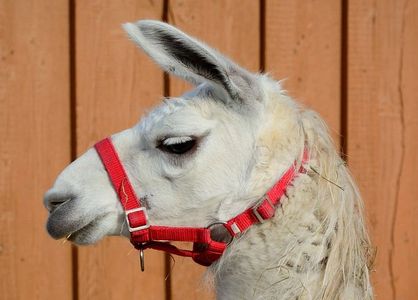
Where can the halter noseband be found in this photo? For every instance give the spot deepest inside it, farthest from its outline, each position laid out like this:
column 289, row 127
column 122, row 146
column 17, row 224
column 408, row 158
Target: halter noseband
column 205, row 249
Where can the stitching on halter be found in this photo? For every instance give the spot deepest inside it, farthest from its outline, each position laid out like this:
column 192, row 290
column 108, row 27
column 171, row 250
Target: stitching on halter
column 122, row 186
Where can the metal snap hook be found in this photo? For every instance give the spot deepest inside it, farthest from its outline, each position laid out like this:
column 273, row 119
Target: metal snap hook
column 142, row 259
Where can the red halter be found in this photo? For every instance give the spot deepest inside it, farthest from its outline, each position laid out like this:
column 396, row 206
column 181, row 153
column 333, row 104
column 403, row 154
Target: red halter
column 205, row 249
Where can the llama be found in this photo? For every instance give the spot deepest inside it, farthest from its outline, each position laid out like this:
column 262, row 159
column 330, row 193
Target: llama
column 212, row 153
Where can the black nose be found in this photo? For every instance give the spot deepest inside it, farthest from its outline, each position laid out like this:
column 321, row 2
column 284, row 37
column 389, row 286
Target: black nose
column 52, row 200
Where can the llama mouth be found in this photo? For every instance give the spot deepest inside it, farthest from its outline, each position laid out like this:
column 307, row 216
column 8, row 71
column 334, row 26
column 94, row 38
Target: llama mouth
column 64, row 221
column 85, row 235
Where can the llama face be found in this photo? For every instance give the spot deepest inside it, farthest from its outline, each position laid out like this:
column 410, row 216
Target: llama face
column 188, row 159
column 182, row 159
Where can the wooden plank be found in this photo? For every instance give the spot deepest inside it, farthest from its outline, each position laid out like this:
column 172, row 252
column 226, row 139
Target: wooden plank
column 382, row 131
column 35, row 146
column 405, row 235
column 233, row 28
column 115, row 84
column 303, row 46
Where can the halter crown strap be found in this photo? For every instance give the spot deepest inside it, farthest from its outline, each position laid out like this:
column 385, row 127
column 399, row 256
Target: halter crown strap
column 205, row 249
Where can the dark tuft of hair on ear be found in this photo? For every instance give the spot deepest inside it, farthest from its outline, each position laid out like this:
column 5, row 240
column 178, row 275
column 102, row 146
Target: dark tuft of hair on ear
column 190, row 57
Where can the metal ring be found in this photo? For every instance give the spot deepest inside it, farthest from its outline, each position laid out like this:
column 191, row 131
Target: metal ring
column 216, row 223
column 224, row 226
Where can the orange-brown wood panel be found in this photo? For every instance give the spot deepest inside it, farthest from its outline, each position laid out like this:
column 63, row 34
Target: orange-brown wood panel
column 233, row 28
column 115, row 84
column 382, row 135
column 303, row 46
column 35, row 146
column 405, row 236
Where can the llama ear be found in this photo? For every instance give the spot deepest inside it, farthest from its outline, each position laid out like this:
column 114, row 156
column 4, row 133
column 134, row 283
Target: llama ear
column 195, row 62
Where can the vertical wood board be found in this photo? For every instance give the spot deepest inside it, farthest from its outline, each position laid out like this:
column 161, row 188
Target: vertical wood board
column 35, row 146
column 405, row 236
column 382, row 130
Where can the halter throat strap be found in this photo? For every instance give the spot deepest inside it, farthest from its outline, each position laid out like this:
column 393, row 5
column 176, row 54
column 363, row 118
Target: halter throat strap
column 205, row 251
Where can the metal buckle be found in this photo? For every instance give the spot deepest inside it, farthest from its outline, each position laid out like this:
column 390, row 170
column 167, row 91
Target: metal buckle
column 142, row 227
column 255, row 209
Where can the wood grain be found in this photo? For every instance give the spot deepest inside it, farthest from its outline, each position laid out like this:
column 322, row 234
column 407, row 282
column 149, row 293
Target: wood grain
column 115, row 84
column 303, row 46
column 382, row 127
column 233, row 28
column 35, row 146
column 405, row 236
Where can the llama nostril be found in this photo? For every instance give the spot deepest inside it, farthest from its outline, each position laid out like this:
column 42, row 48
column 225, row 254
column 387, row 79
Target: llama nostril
column 53, row 204
column 53, row 200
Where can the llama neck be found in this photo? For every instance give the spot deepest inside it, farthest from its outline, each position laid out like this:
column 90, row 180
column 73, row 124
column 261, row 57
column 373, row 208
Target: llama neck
column 276, row 257
column 289, row 256
column 316, row 245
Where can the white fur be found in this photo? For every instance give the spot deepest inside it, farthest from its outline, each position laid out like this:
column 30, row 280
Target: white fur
column 249, row 132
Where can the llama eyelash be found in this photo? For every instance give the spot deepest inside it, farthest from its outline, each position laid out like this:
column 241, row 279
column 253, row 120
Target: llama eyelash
column 176, row 140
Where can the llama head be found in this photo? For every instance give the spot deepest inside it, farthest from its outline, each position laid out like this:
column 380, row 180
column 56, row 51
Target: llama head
column 194, row 160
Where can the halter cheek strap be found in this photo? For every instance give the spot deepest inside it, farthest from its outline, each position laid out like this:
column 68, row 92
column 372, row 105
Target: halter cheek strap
column 205, row 250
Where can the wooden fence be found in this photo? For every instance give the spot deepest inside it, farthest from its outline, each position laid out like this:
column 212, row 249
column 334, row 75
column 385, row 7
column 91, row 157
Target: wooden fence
column 69, row 76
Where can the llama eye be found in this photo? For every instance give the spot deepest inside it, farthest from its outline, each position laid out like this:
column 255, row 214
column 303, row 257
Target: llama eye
column 177, row 145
